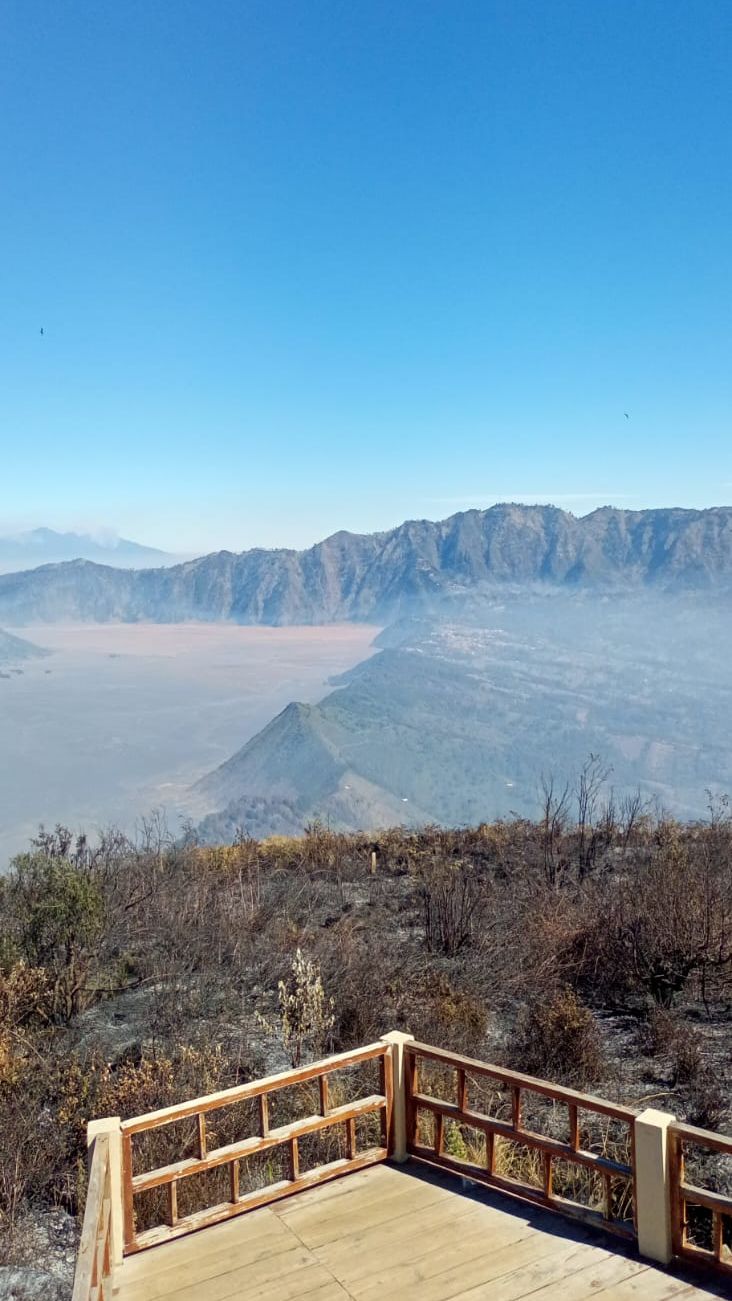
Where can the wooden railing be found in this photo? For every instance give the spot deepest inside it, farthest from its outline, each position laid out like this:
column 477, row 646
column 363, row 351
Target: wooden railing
column 229, row 1156
column 503, row 1139
column 701, row 1219
column 93, row 1277
column 571, row 1152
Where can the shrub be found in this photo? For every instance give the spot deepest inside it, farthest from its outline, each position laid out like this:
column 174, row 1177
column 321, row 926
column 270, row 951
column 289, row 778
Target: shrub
column 25, row 1005
column 449, row 1017
column 54, row 915
column 305, row 1014
column 559, row 1040
column 451, row 907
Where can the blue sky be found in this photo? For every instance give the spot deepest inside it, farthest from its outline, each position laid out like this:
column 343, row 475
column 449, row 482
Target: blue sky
column 303, row 266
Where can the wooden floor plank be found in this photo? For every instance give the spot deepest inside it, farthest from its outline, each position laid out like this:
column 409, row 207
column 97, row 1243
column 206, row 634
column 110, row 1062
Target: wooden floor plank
column 312, row 1284
column 355, row 1254
column 653, row 1284
column 373, row 1179
column 315, row 1224
column 241, row 1280
column 253, row 1228
column 432, row 1244
column 444, row 1255
column 594, row 1278
column 551, row 1266
column 387, row 1233
column 486, row 1274
column 176, row 1270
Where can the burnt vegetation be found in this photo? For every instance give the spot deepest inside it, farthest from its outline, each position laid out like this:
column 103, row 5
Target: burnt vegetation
column 592, row 946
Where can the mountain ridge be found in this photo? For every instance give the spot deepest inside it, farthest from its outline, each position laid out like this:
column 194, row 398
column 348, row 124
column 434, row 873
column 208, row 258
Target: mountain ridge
column 380, row 576
column 14, row 650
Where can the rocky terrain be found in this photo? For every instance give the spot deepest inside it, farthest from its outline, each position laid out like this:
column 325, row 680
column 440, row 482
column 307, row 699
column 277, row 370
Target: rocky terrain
column 380, row 576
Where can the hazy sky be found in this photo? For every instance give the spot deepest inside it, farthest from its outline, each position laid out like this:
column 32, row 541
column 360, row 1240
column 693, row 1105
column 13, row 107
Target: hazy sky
column 334, row 263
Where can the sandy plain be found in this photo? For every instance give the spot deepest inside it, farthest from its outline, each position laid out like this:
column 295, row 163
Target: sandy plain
column 121, row 718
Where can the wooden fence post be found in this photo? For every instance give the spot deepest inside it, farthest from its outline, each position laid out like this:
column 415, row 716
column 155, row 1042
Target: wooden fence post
column 396, row 1040
column 110, row 1126
column 653, row 1185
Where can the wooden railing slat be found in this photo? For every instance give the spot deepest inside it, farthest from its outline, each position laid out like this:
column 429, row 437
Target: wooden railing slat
column 386, row 1080
column 264, row 1114
column 717, row 1202
column 701, row 1137
column 547, row 1174
column 558, row 1092
column 173, row 1203
column 324, row 1094
column 262, row 1197
column 516, row 1108
column 128, row 1211
column 513, row 1131
column 503, row 1129
column 573, row 1126
column 683, row 1193
column 251, row 1146
column 93, row 1262
column 213, row 1101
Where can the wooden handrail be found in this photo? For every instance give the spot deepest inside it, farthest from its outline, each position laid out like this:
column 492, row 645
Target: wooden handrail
column 109, row 1227
column 254, row 1089
column 93, row 1274
column 268, row 1137
column 516, row 1132
column 249, row 1146
column 515, row 1079
column 685, row 1195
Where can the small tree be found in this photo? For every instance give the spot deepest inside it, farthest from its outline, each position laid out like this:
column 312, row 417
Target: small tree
column 590, row 782
column 452, row 905
column 306, row 1015
column 54, row 918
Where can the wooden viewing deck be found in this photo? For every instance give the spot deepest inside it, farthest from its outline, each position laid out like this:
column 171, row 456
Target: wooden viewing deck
column 383, row 1172
column 396, row 1232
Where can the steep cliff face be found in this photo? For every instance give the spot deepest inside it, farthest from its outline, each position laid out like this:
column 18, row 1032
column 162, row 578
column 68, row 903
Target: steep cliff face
column 383, row 575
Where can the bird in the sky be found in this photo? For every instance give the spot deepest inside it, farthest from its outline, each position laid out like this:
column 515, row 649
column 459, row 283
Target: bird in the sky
column 41, row 329
column 625, row 413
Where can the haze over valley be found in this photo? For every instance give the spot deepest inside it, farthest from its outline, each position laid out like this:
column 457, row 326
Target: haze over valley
column 515, row 642
column 460, row 718
column 117, row 720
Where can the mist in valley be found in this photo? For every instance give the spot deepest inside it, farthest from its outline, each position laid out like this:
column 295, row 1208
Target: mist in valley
column 456, row 715
column 121, row 719
column 469, row 709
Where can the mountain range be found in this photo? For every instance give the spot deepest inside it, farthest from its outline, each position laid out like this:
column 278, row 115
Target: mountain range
column 43, row 546
column 381, row 576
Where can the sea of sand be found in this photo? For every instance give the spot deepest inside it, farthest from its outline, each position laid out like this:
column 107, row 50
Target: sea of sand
column 121, row 718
